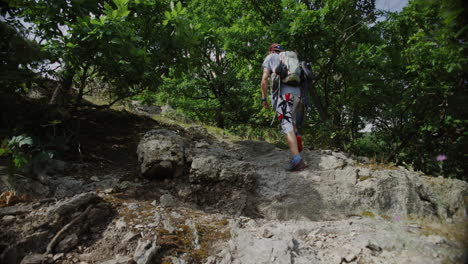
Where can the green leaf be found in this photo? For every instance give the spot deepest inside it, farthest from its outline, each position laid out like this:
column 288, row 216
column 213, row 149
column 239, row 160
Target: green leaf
column 19, row 160
column 71, row 45
column 4, row 151
column 55, row 122
column 20, row 141
column 179, row 6
column 168, row 15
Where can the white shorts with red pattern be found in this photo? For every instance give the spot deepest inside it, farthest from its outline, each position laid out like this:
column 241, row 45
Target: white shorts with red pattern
column 286, row 108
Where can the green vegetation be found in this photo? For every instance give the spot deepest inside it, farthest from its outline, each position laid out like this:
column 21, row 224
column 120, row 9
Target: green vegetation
column 404, row 76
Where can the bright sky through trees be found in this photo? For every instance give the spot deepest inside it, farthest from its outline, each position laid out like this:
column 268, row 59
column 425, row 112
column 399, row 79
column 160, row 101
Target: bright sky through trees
column 391, row 5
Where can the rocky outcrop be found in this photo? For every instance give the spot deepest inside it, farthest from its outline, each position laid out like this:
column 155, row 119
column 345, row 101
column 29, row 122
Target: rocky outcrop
column 333, row 187
column 206, row 200
column 354, row 240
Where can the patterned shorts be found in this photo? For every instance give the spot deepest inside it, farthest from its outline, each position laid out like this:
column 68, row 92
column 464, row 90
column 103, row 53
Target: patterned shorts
column 286, row 107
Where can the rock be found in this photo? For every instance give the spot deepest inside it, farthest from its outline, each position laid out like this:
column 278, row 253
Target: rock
column 148, row 110
column 167, row 200
column 58, row 256
column 145, row 252
column 202, row 145
column 319, row 244
column 119, row 260
column 168, row 226
column 331, row 163
column 67, row 243
column 66, row 186
column 349, row 258
column 133, row 206
column 175, row 260
column 15, row 210
column 205, row 168
column 8, row 219
column 212, row 169
column 21, row 184
column 35, row 259
column 198, row 133
column 161, row 154
column 373, row 246
column 267, row 233
column 130, row 236
column 95, row 179
column 56, row 166
column 345, row 190
column 435, row 239
column 363, row 160
column 120, row 223
column 127, row 184
column 210, row 260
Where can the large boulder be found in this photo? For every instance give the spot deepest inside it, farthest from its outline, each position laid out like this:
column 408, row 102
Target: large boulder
column 161, row 154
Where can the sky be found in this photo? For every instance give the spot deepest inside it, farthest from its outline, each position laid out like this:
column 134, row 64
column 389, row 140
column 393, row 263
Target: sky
column 391, row 5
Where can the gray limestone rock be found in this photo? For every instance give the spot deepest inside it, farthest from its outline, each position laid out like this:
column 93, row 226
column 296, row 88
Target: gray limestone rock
column 213, row 169
column 145, row 252
column 67, row 243
column 8, row 219
column 345, row 189
column 161, row 153
column 145, row 109
column 167, row 200
column 65, row 186
column 21, row 184
column 120, row 260
column 35, row 259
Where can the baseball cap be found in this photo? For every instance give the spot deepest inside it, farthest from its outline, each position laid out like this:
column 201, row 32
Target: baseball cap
column 275, row 46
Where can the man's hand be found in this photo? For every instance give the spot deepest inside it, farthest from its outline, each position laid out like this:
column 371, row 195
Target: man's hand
column 266, row 105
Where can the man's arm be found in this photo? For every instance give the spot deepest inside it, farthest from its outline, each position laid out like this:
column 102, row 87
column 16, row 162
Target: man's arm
column 265, row 76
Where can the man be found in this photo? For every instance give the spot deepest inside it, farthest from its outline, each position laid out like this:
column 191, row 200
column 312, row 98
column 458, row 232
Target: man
column 285, row 103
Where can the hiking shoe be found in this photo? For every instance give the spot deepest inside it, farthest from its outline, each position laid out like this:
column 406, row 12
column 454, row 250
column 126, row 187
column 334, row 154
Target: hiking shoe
column 299, row 143
column 295, row 167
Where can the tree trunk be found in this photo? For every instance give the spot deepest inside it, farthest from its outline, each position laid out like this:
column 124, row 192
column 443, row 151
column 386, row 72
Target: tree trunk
column 83, row 80
column 59, row 96
column 324, row 116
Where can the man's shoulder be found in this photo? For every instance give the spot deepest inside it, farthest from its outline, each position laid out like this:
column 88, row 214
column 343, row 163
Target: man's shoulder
column 270, row 57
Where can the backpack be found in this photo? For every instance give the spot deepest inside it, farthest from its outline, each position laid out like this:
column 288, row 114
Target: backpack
column 289, row 68
column 306, row 81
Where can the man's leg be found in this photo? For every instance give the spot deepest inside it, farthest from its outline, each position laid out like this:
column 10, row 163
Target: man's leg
column 292, row 142
column 286, row 109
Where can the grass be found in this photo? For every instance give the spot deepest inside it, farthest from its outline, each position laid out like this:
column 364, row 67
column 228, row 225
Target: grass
column 272, row 135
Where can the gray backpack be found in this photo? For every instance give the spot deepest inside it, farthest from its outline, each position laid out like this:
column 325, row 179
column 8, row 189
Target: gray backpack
column 289, row 68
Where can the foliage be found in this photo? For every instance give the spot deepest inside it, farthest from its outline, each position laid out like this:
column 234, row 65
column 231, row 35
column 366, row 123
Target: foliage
column 24, row 152
column 17, row 53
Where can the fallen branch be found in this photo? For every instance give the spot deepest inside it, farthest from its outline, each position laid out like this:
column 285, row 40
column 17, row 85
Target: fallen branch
column 59, row 234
